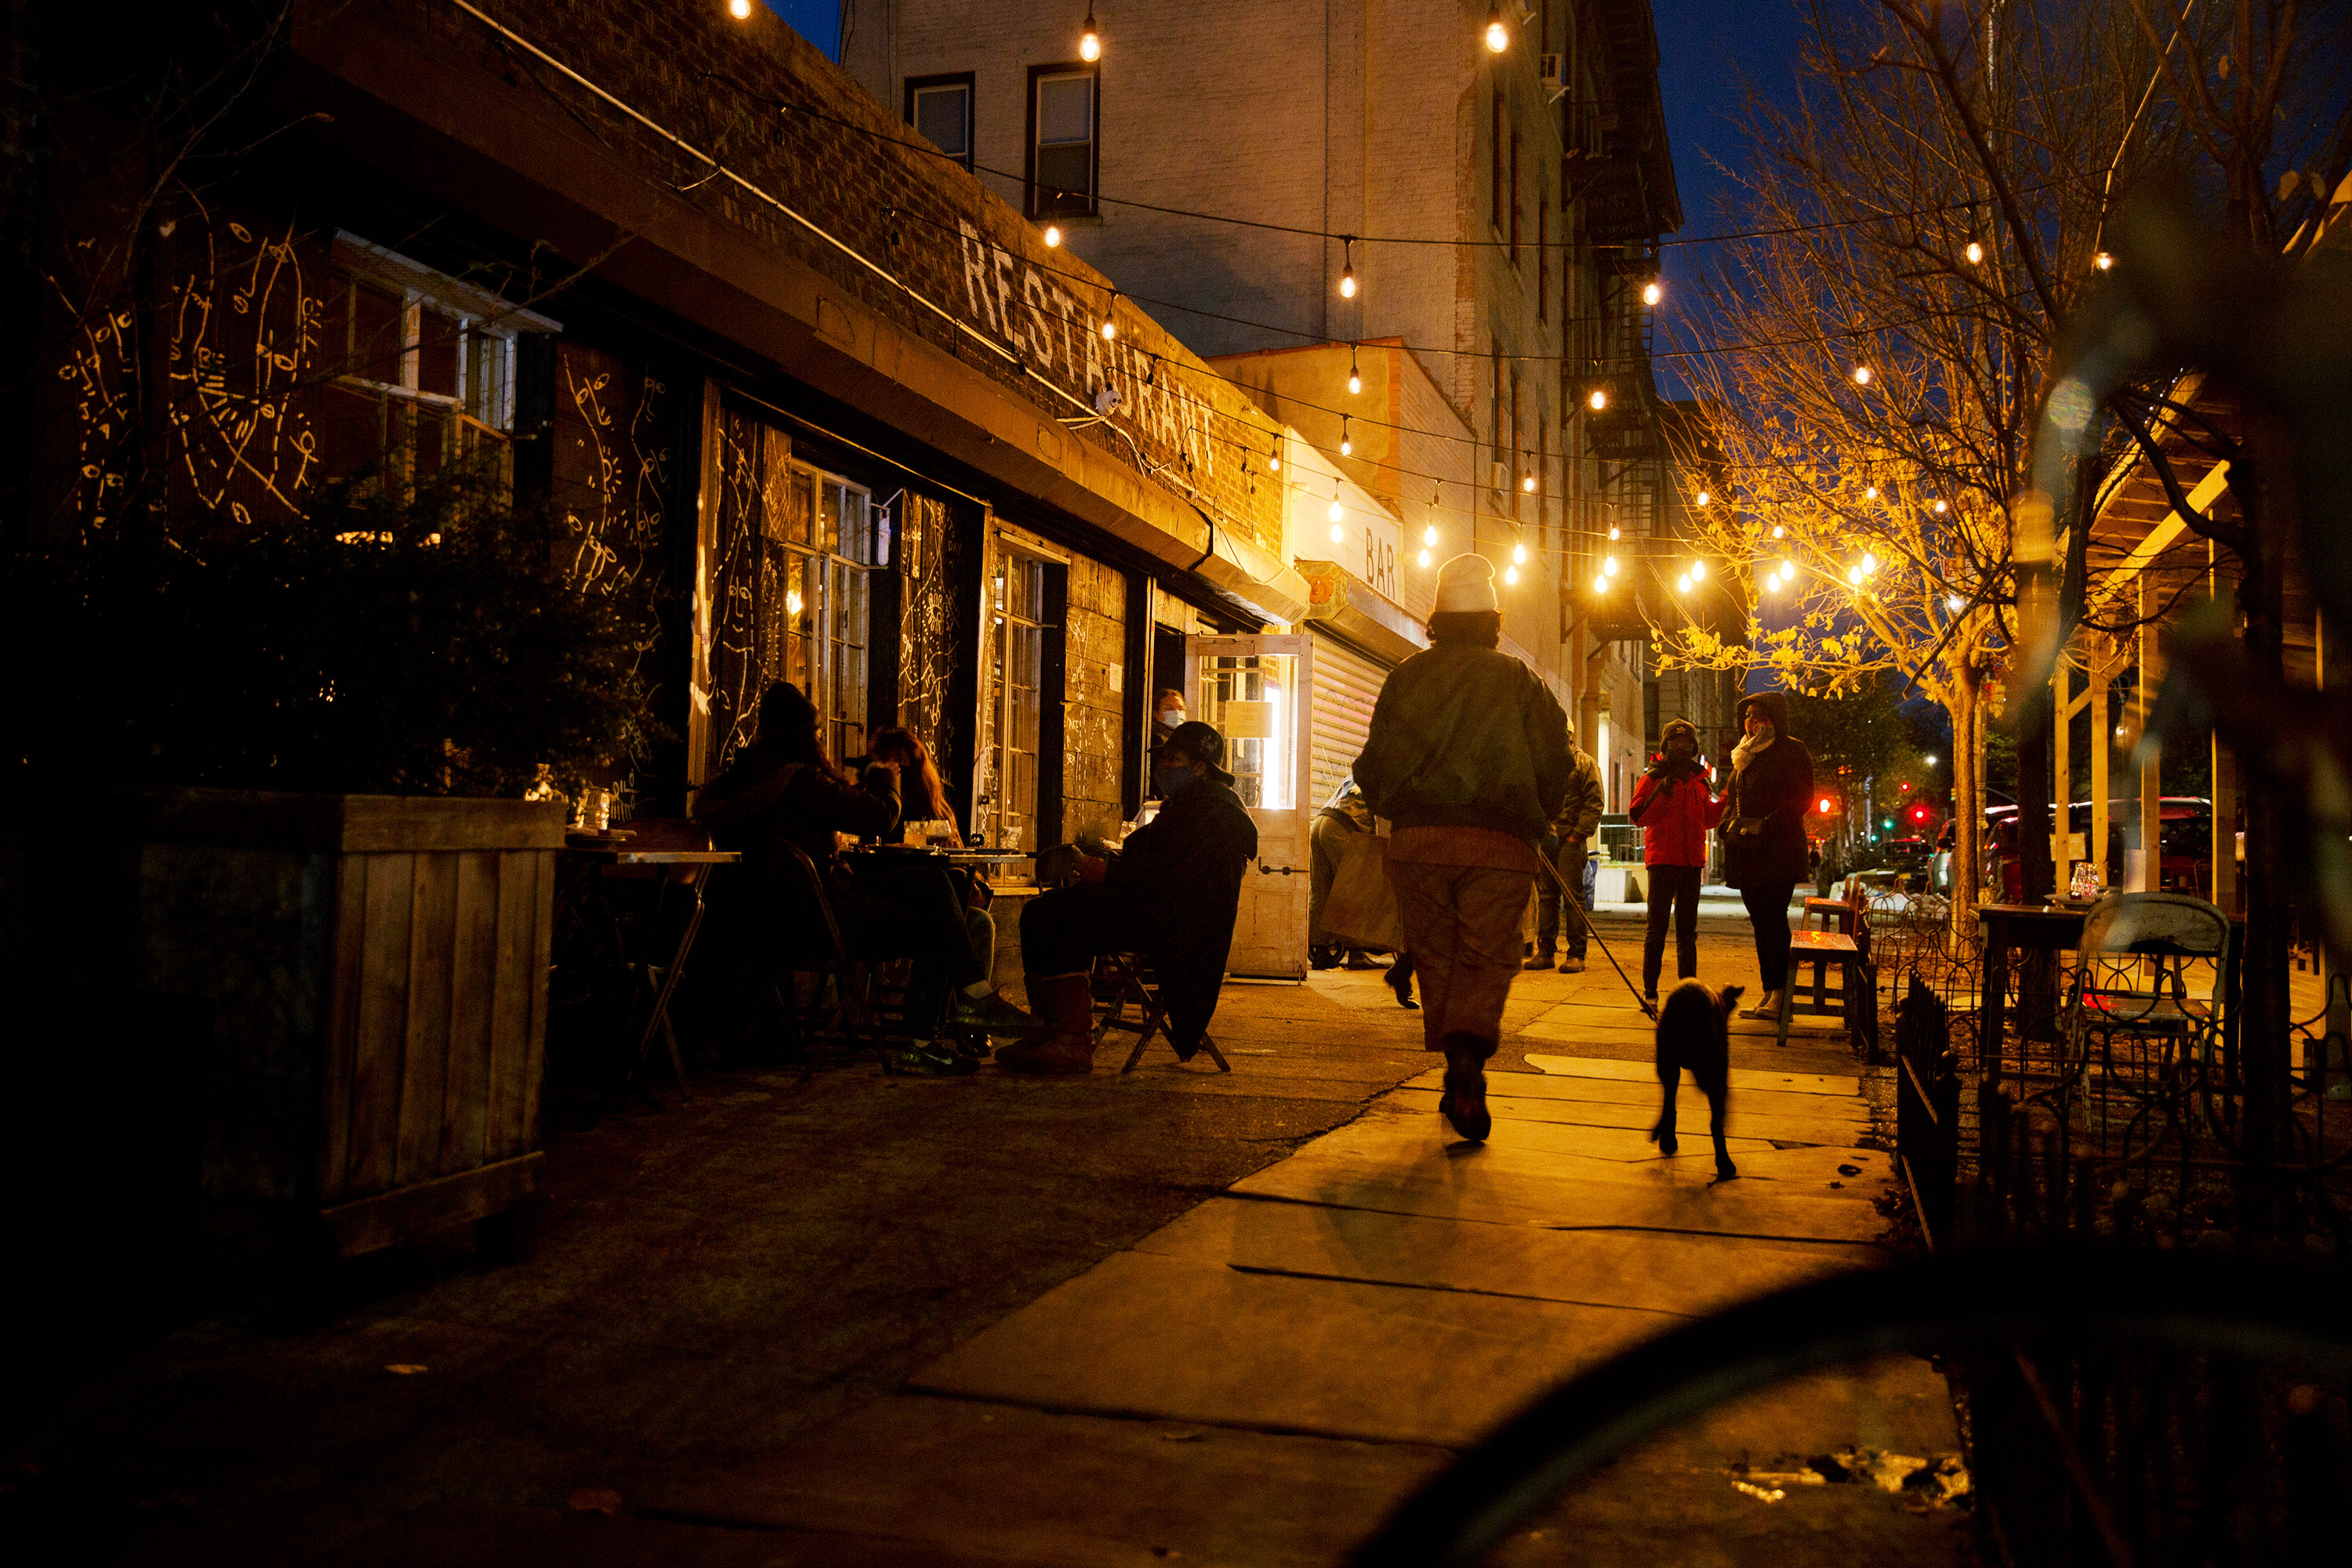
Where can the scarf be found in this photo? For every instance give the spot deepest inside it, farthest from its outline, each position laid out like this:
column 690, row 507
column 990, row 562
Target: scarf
column 1748, row 750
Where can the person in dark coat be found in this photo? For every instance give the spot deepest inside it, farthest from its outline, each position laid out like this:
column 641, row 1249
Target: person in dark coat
column 780, row 793
column 1171, row 892
column 1763, row 833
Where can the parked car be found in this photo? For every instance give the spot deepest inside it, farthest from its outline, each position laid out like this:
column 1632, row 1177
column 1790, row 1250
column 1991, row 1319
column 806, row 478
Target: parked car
column 2186, row 845
column 1908, row 859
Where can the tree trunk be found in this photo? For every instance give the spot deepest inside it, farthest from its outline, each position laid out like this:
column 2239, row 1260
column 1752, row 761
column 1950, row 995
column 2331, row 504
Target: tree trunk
column 2266, row 1013
column 1968, row 804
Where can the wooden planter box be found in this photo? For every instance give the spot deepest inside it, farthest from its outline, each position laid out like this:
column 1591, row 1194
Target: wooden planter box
column 368, row 974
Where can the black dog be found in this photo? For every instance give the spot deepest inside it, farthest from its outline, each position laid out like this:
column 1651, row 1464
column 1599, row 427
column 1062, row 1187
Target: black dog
column 1694, row 1033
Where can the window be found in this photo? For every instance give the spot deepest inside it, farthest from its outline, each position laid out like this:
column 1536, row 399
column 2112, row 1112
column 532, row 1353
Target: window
column 828, row 554
column 425, row 364
column 1518, row 454
column 1496, row 174
column 1017, row 592
column 1515, row 203
column 1543, row 485
column 1064, row 112
column 939, row 109
column 1499, row 414
column 1543, row 258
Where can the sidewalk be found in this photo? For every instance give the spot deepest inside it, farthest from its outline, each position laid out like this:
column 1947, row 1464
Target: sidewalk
column 1176, row 1316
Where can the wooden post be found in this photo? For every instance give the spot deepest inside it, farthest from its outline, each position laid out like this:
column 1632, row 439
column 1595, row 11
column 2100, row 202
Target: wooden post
column 2061, row 775
column 2152, row 767
column 2103, row 750
column 2225, row 773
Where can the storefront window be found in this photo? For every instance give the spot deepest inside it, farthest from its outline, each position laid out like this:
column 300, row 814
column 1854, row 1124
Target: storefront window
column 1248, row 699
column 1017, row 607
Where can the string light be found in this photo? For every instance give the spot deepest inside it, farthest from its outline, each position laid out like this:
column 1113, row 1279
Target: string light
column 1519, row 554
column 1698, row 571
column 1335, row 506
column 1653, row 291
column 1854, row 576
column 1052, row 235
column 1528, row 483
column 1779, row 532
column 1425, row 558
column 1610, row 566
column 1955, row 604
column 740, row 8
column 1941, row 508
column 1599, row 400
column 1429, row 534
column 1348, row 272
column 1869, row 563
column 1110, row 327
column 1682, row 584
column 1346, row 446
column 1870, row 492
column 1703, row 498
column 2103, row 261
column 1612, row 530
column 1861, row 375
column 1601, row 584
column 1497, row 41
column 1273, row 456
column 1510, row 574
column 1089, row 41
column 1355, row 377
column 1975, row 253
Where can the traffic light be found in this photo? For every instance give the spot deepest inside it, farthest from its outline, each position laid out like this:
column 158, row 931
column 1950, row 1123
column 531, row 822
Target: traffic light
column 1904, row 787
column 1825, row 805
column 1920, row 813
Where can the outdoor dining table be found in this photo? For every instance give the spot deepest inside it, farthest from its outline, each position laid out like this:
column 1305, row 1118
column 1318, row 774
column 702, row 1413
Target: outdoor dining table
column 2020, row 928
column 686, row 869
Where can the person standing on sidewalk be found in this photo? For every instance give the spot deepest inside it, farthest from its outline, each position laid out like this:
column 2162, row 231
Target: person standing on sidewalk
column 1580, row 814
column 1676, row 808
column 1763, row 833
column 1469, row 760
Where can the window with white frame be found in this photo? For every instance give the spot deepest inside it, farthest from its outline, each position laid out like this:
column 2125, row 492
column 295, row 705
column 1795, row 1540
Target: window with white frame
column 1064, row 115
column 941, row 108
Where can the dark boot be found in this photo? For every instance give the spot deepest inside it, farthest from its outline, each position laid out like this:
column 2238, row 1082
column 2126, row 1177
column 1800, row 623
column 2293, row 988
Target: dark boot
column 1463, row 1103
column 1064, row 1005
column 1400, row 981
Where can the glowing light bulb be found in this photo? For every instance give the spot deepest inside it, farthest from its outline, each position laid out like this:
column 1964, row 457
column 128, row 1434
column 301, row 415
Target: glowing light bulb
column 1610, row 566
column 1519, row 554
column 1090, row 41
column 1788, row 568
column 1779, row 532
column 1955, row 604
column 1497, row 39
column 741, row 9
column 1110, row 329
column 1653, row 291
column 1941, row 508
column 2103, row 261
column 1601, row 584
column 1853, row 575
column 1274, row 458
column 1347, row 284
column 1612, row 530
column 1870, row 492
column 1861, row 375
column 1052, row 235
column 1347, row 447
column 1336, row 535
column 1598, row 401
column 1698, row 571
column 1869, row 563
column 1975, row 253
column 1429, row 534
column 1355, row 381
column 1335, row 508
column 1703, row 498
column 1510, row 573
column 1425, row 558
column 1528, row 483
column 1682, row 584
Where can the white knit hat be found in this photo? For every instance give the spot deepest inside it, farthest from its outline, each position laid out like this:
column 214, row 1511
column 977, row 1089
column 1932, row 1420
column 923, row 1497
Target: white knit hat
column 1467, row 583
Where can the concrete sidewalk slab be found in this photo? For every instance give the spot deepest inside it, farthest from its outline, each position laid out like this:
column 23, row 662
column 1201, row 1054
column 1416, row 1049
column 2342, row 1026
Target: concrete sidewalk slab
column 1643, row 1091
column 1164, row 1338
column 1835, row 1084
column 1690, row 1109
column 1689, row 1275
column 1616, row 1154
column 1415, row 1112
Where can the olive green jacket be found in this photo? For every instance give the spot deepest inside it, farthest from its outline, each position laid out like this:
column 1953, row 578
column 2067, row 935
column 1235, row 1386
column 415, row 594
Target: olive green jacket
column 1467, row 737
column 1580, row 813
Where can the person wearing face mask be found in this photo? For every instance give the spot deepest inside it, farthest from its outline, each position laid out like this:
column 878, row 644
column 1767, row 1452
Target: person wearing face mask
column 1763, row 833
column 1171, row 892
column 1166, row 712
column 1676, row 808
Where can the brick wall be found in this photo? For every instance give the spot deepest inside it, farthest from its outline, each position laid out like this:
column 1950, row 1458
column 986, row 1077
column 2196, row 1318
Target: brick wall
column 1093, row 639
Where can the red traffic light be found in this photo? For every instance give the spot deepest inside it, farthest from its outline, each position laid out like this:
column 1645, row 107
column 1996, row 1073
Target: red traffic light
column 1919, row 814
column 1904, row 787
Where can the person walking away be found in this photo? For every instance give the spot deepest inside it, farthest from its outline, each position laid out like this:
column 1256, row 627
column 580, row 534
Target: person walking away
column 1763, row 833
column 1469, row 760
column 1580, row 814
column 1676, row 808
column 1171, row 892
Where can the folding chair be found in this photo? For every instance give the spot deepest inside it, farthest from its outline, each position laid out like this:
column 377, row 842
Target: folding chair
column 1119, row 982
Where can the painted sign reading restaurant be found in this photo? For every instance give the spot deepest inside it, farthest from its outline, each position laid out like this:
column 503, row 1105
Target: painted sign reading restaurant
column 1030, row 312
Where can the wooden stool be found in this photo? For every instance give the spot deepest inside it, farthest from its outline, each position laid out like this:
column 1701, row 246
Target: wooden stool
column 1822, row 949
column 1125, row 973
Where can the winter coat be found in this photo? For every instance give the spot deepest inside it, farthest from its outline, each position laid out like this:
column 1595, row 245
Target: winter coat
column 814, row 805
column 1183, row 868
column 1772, row 795
column 1674, row 809
column 1580, row 813
column 1467, row 737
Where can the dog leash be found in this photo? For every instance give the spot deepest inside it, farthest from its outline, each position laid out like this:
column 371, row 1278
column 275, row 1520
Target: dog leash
column 1649, row 1008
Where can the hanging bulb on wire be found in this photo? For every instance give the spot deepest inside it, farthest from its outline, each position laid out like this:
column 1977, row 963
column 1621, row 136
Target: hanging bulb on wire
column 1348, row 272
column 1519, row 554
column 1599, row 400
column 1941, row 508
column 1110, row 327
column 1346, row 446
column 1703, row 498
column 1355, row 377
column 1653, row 291
column 1335, row 506
column 1528, row 483
column 1273, row 456
column 1497, row 39
column 740, row 9
column 1861, row 375
column 1870, row 492
column 1510, row 574
column 1429, row 534
column 1610, row 566
column 1975, row 253
column 1612, row 530
column 1779, row 532
column 1699, row 571
column 1090, row 41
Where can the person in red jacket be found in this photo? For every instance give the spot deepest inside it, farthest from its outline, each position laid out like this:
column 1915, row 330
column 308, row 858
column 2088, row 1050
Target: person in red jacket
column 1675, row 809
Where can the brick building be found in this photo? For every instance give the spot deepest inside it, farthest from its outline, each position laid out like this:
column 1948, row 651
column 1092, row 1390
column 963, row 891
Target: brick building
column 1504, row 209
column 814, row 403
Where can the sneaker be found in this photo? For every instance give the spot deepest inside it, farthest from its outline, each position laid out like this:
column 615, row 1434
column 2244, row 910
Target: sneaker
column 1571, row 967
column 930, row 1057
column 991, row 1013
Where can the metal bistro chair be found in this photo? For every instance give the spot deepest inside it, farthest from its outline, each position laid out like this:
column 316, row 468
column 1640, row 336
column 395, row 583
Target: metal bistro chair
column 2128, row 938
column 1121, row 979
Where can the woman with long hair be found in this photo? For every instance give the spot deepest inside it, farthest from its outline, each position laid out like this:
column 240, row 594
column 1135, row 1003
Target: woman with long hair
column 1763, row 833
column 920, row 781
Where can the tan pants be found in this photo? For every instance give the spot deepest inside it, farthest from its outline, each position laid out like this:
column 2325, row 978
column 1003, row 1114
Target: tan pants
column 1461, row 927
